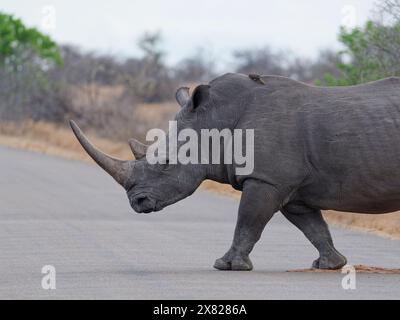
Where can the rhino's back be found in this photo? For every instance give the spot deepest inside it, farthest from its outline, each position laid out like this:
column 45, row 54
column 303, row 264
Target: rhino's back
column 360, row 122
column 352, row 139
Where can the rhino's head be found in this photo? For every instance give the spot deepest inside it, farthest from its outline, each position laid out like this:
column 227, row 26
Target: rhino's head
column 151, row 187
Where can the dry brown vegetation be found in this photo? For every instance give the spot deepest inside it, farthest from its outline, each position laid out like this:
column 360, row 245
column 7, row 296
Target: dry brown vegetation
column 359, row 269
column 55, row 140
column 387, row 225
column 51, row 139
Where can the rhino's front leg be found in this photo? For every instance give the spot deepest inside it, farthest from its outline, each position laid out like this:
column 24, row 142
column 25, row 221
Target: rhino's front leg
column 258, row 204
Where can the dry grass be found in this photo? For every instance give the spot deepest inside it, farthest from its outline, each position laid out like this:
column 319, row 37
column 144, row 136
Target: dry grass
column 225, row 190
column 387, row 225
column 54, row 140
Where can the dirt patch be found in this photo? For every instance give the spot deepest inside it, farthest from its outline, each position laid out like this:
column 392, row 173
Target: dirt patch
column 359, row 269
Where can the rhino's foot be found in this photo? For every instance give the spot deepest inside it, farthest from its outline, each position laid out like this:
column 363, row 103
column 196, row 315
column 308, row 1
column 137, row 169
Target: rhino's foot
column 334, row 261
column 234, row 263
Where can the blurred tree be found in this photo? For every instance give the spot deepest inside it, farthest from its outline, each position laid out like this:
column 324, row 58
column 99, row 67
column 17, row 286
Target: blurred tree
column 152, row 81
column 310, row 70
column 371, row 52
column 26, row 57
column 19, row 44
column 261, row 61
column 389, row 10
column 196, row 68
column 150, row 44
column 285, row 63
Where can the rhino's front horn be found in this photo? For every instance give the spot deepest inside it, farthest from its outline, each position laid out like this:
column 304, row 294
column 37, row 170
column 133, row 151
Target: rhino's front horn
column 118, row 169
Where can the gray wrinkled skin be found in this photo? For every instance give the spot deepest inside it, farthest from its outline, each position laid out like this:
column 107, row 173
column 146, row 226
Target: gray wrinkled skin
column 315, row 149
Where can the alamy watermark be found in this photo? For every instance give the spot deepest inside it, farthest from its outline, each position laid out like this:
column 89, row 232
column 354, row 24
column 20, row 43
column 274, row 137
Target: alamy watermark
column 209, row 146
column 349, row 281
column 349, row 16
column 49, row 278
column 49, row 18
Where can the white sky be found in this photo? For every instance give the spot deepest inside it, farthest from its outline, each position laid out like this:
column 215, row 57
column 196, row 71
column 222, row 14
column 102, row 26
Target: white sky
column 219, row 26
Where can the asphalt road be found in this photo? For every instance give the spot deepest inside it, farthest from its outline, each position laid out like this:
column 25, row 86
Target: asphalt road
column 73, row 216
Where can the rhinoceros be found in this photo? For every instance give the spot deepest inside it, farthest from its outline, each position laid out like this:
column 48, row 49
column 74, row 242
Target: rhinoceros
column 316, row 148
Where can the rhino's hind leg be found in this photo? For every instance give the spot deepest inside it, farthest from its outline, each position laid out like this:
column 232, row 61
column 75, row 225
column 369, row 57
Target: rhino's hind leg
column 258, row 204
column 312, row 224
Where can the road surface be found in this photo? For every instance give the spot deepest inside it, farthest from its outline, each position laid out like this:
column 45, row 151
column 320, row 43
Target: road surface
column 72, row 216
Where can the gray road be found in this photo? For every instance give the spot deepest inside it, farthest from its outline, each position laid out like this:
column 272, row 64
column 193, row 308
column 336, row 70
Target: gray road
column 74, row 217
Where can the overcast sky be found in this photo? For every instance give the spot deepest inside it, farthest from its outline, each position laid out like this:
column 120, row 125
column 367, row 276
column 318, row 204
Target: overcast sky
column 220, row 26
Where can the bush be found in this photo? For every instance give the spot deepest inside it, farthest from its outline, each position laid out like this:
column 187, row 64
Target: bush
column 373, row 51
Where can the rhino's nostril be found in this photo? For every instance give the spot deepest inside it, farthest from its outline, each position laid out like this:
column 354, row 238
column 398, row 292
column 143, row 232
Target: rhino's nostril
column 141, row 200
column 142, row 204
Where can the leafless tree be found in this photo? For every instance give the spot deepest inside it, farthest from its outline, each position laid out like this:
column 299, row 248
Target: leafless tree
column 385, row 41
column 389, row 10
column 261, row 61
column 152, row 81
column 197, row 68
column 285, row 63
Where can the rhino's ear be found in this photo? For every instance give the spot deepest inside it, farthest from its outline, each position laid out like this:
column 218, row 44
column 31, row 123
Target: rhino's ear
column 201, row 95
column 182, row 96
